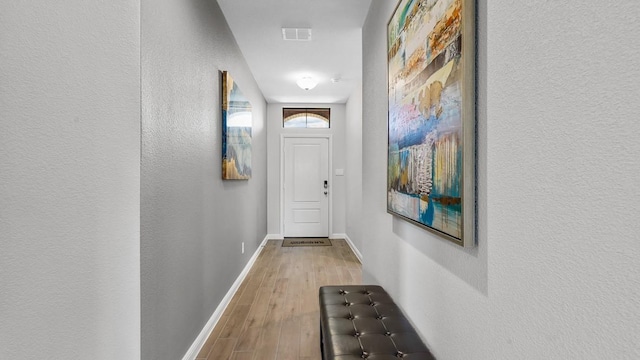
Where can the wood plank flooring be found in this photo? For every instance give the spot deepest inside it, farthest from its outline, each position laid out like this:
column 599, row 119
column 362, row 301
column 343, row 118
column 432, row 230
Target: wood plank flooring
column 275, row 313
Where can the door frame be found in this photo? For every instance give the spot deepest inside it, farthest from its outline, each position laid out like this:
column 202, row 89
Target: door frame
column 329, row 172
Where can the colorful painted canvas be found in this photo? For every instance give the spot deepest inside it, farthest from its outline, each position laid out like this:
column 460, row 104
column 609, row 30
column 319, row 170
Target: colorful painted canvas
column 236, row 131
column 431, row 158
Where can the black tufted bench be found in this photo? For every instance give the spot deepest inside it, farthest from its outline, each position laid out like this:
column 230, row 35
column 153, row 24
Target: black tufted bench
column 363, row 322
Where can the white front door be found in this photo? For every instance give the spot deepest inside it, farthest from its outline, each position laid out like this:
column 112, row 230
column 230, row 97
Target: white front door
column 306, row 187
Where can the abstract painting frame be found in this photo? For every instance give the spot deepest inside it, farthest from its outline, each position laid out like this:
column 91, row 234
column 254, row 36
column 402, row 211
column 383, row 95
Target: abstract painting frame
column 237, row 123
column 431, row 158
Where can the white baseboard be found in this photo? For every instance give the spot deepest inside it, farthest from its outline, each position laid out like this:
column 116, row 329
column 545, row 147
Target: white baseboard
column 274, row 237
column 351, row 244
column 208, row 327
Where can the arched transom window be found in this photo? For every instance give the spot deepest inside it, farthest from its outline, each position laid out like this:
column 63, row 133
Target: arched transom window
column 317, row 118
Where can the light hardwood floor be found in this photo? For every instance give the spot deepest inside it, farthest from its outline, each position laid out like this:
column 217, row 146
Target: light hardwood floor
column 275, row 313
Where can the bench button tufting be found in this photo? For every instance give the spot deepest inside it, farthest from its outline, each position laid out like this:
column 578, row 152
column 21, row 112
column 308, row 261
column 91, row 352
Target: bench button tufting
column 356, row 304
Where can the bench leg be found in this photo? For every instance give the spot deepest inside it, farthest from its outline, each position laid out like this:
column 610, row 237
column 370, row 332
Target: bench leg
column 322, row 344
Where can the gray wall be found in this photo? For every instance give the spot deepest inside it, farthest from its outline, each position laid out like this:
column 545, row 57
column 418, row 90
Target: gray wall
column 193, row 223
column 555, row 274
column 69, row 180
column 353, row 156
column 337, row 183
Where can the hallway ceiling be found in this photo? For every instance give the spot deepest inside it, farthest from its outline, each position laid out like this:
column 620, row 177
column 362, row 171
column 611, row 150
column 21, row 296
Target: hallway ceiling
column 334, row 51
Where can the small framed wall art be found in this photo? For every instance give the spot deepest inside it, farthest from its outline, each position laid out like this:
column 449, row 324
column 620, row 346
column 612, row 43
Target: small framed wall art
column 236, row 131
column 431, row 144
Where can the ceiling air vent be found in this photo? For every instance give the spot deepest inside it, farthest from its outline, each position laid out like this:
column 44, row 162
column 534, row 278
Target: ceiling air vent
column 296, row 34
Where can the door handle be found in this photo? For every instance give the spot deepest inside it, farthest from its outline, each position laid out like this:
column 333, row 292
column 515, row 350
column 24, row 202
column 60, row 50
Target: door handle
column 326, row 184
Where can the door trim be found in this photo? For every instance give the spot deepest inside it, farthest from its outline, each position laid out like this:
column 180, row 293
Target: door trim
column 329, row 171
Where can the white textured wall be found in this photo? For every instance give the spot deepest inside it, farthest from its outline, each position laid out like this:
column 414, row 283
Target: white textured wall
column 353, row 173
column 555, row 275
column 337, row 183
column 193, row 223
column 69, row 180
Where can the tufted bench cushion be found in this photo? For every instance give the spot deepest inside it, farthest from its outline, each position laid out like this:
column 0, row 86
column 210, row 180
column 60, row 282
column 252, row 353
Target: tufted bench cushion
column 363, row 322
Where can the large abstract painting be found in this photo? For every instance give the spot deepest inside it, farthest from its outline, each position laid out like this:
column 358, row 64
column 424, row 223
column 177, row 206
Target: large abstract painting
column 431, row 158
column 236, row 131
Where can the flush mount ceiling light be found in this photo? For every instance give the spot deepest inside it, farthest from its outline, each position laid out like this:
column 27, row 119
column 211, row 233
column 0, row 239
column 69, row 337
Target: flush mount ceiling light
column 307, row 83
column 296, row 34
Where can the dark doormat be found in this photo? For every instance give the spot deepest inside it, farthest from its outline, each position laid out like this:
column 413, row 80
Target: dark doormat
column 291, row 242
